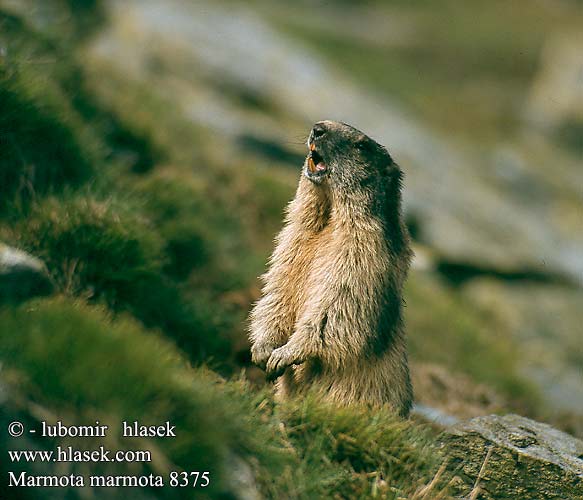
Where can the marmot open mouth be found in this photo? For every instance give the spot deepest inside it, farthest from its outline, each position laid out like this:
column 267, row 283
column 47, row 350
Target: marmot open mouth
column 316, row 163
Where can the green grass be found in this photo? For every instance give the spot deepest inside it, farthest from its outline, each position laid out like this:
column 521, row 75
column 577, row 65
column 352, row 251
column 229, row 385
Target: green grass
column 104, row 251
column 356, row 452
column 54, row 132
column 45, row 145
column 82, row 365
column 115, row 370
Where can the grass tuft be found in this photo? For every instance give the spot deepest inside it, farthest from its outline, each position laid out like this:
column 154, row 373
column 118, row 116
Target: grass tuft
column 45, row 146
column 104, row 251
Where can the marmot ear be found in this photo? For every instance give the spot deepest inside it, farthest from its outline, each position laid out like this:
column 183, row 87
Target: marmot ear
column 363, row 142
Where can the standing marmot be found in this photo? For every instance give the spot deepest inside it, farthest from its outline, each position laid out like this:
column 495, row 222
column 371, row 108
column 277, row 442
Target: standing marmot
column 330, row 317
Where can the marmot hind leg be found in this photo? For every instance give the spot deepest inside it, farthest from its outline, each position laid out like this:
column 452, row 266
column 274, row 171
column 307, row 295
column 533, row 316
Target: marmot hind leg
column 285, row 386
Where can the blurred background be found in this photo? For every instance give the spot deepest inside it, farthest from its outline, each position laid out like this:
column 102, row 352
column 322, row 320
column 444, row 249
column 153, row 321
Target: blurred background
column 148, row 149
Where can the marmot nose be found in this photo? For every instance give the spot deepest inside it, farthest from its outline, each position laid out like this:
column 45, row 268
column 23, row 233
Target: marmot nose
column 319, row 130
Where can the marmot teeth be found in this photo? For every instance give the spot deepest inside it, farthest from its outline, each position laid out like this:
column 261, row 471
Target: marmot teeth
column 311, row 165
column 315, row 162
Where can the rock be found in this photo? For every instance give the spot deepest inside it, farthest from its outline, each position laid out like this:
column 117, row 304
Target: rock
column 241, row 479
column 21, row 276
column 556, row 94
column 512, row 457
column 433, row 415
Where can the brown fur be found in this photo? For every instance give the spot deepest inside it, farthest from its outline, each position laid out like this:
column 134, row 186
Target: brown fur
column 330, row 318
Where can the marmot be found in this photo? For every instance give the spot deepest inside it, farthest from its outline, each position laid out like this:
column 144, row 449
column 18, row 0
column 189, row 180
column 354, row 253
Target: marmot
column 330, row 316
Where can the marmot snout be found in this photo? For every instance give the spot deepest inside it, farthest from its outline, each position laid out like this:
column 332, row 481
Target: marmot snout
column 330, row 317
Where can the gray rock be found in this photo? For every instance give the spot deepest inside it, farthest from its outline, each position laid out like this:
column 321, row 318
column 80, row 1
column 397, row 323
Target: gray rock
column 241, row 478
column 512, row 457
column 556, row 91
column 434, row 415
column 21, row 276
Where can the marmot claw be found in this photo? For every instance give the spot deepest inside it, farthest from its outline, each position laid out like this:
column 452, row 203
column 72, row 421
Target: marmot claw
column 260, row 354
column 279, row 360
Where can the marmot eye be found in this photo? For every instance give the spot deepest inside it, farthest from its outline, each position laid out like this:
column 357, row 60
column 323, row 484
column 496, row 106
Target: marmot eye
column 318, row 131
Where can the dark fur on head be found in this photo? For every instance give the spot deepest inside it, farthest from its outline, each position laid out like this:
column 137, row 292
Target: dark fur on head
column 352, row 157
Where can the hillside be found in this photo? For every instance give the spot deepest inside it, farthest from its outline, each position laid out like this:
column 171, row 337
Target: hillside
column 148, row 152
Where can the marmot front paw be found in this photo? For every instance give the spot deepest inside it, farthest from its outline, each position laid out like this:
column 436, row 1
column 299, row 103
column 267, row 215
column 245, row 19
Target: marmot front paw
column 279, row 360
column 260, row 353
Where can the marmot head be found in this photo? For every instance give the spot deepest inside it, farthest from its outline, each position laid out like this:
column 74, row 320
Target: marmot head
column 344, row 157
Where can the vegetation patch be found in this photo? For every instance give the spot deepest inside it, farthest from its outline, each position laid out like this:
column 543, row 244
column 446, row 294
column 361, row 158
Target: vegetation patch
column 297, row 450
column 44, row 143
column 117, row 371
